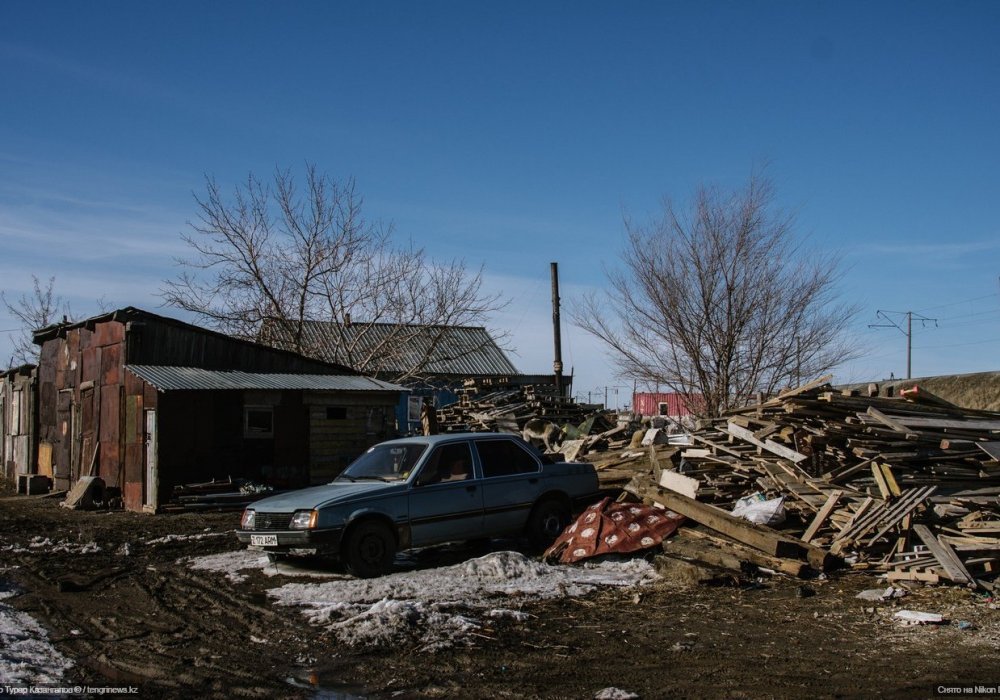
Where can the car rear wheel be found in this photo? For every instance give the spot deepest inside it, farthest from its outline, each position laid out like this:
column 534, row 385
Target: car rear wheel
column 548, row 519
column 369, row 549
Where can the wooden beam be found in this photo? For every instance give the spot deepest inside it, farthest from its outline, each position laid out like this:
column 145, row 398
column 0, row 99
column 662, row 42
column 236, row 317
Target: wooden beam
column 822, row 515
column 815, row 384
column 722, row 552
column 945, row 555
column 759, row 537
column 769, row 445
column 923, row 576
column 888, row 421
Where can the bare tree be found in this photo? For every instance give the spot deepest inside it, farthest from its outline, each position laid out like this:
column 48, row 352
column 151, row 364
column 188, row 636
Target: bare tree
column 274, row 258
column 720, row 301
column 40, row 308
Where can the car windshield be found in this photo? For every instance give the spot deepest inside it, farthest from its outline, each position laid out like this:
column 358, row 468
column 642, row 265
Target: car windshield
column 384, row 462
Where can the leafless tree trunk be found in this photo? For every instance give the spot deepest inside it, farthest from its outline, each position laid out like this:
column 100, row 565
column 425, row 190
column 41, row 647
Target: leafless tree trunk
column 39, row 309
column 273, row 258
column 720, row 302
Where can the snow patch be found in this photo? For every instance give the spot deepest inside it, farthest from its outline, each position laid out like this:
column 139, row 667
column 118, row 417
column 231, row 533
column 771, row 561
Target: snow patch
column 40, row 544
column 229, row 563
column 182, row 538
column 429, row 608
column 26, row 657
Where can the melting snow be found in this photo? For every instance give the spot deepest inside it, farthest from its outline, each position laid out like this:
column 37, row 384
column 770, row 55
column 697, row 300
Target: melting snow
column 26, row 657
column 44, row 544
column 434, row 608
column 181, row 538
column 231, row 563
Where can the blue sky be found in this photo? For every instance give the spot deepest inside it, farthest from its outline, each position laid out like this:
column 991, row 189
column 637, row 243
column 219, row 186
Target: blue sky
column 515, row 134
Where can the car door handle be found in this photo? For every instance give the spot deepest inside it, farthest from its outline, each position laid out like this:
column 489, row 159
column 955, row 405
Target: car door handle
column 470, row 489
column 533, row 481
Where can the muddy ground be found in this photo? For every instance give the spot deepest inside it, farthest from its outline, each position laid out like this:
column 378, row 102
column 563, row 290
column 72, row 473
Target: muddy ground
column 131, row 615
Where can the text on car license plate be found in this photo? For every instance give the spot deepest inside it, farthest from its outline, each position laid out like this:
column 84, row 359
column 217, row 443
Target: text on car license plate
column 264, row 540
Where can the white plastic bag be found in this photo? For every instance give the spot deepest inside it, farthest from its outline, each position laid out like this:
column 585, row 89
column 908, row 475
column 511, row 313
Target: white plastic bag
column 757, row 509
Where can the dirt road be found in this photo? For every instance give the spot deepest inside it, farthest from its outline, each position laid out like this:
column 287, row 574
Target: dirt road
column 110, row 591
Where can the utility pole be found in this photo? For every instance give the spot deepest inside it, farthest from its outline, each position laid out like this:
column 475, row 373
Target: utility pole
column 890, row 323
column 557, row 365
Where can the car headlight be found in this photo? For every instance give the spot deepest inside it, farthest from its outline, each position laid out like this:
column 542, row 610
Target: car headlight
column 303, row 520
column 248, row 519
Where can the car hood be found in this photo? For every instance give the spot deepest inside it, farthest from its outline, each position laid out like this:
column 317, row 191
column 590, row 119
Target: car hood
column 328, row 494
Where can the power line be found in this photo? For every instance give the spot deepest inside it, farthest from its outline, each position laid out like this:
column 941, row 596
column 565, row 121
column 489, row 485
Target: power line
column 956, row 303
column 910, row 315
column 958, row 345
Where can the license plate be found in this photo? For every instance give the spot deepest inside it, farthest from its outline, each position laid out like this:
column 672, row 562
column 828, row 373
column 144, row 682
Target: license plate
column 264, row 540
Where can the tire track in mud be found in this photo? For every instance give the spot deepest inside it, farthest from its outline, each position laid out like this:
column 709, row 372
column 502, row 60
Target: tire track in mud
column 146, row 620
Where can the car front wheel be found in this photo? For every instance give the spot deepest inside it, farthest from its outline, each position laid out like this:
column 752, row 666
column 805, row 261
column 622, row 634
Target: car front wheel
column 369, row 550
column 549, row 518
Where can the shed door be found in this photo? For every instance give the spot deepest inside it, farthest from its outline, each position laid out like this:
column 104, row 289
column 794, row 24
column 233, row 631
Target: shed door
column 151, row 475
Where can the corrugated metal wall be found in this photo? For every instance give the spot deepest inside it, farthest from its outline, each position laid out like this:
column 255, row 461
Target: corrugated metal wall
column 648, row 404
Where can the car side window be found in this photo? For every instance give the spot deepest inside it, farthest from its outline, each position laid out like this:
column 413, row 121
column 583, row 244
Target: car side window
column 504, row 457
column 446, row 464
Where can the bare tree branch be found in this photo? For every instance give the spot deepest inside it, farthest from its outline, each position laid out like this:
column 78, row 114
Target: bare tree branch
column 39, row 309
column 720, row 301
column 273, row 257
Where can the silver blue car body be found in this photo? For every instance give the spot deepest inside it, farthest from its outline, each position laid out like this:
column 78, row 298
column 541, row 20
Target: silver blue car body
column 419, row 491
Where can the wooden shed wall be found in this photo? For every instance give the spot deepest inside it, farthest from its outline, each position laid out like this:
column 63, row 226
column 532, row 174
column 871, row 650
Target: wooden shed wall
column 342, row 426
column 81, row 390
column 18, row 425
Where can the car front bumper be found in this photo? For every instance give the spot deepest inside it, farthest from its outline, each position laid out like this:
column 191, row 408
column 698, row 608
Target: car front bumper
column 326, row 540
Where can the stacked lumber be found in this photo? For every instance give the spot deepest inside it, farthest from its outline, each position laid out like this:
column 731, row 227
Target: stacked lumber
column 508, row 410
column 905, row 486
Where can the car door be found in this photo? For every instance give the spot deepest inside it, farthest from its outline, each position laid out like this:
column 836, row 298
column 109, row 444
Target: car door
column 446, row 503
column 511, row 484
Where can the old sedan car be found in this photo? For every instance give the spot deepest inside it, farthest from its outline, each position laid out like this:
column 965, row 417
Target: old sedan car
column 419, row 491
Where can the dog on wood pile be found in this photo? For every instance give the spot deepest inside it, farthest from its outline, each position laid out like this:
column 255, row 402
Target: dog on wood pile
column 538, row 430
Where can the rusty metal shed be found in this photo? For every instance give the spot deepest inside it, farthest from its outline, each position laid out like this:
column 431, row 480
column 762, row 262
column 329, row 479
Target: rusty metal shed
column 148, row 402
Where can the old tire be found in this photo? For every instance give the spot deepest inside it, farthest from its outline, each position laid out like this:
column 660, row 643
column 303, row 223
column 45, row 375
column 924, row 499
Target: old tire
column 548, row 519
column 369, row 549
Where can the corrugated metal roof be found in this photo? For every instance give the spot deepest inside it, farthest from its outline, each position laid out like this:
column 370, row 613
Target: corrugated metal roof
column 466, row 351
column 198, row 379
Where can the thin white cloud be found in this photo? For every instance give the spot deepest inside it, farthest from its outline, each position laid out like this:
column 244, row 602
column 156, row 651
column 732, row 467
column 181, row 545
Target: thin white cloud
column 931, row 251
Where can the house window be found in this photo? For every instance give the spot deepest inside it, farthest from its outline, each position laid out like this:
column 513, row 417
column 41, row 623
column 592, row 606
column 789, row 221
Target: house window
column 258, row 422
column 336, row 412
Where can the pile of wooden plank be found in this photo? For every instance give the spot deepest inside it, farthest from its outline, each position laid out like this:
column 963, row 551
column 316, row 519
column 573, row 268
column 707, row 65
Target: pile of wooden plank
column 508, row 410
column 907, row 486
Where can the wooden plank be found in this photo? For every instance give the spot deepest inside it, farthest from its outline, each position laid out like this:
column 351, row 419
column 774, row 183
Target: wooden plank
column 679, row 483
column 759, row 537
column 840, row 475
column 956, row 424
column 888, row 421
column 862, row 511
column 880, row 481
column 924, row 576
column 728, row 551
column 769, row 445
column 900, row 511
column 822, row 515
column 717, row 446
column 815, row 384
column 890, row 480
column 992, row 448
column 944, row 554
